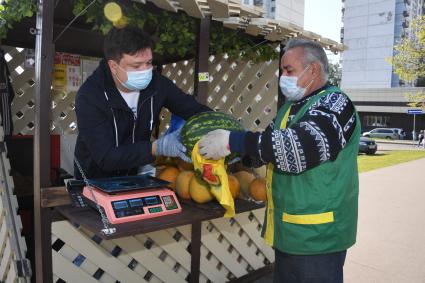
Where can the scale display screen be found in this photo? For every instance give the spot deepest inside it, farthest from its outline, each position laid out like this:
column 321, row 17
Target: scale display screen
column 153, row 200
column 137, row 202
column 120, row 204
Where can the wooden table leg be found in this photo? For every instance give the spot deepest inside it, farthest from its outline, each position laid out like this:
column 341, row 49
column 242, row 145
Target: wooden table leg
column 195, row 251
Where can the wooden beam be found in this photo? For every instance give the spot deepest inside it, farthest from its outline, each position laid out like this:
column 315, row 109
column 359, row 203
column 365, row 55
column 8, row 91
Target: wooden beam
column 54, row 196
column 219, row 8
column 192, row 8
column 44, row 52
column 202, row 57
column 165, row 4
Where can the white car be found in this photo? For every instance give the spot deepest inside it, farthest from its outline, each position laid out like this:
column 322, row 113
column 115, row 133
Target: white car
column 383, row 133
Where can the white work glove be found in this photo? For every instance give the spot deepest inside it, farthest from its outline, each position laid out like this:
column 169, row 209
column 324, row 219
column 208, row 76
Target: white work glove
column 215, row 144
column 170, row 145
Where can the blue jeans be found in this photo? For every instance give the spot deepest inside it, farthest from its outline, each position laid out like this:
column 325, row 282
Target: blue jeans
column 323, row 268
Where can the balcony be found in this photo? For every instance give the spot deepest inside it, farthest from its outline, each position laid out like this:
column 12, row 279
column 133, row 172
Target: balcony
column 405, row 24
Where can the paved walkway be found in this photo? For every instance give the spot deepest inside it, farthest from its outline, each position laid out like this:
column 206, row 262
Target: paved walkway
column 391, row 233
column 390, row 244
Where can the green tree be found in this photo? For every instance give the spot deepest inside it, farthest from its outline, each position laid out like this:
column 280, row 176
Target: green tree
column 13, row 11
column 416, row 100
column 335, row 73
column 409, row 59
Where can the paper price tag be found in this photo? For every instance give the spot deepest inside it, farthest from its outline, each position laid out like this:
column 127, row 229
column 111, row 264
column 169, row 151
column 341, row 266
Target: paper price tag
column 204, row 77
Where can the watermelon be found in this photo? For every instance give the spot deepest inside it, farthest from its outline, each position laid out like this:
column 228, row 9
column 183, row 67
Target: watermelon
column 208, row 175
column 202, row 123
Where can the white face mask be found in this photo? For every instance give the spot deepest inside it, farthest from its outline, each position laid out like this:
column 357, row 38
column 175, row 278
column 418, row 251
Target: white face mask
column 290, row 89
column 136, row 80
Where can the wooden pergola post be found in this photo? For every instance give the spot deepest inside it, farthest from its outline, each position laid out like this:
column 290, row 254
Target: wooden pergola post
column 280, row 97
column 201, row 79
column 44, row 52
column 201, row 82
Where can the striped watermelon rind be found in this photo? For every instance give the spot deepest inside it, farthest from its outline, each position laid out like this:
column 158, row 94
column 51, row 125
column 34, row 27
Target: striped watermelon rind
column 200, row 124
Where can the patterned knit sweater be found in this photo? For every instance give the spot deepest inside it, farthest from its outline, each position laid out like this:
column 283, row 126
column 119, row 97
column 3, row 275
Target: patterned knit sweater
column 318, row 136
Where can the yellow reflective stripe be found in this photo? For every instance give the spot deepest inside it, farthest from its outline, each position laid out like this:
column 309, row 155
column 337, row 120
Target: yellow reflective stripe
column 284, row 122
column 269, row 234
column 319, row 218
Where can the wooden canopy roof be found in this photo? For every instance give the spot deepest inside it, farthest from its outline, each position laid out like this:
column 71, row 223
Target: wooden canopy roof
column 235, row 15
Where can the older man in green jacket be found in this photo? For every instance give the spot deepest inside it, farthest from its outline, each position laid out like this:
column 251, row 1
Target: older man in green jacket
column 312, row 179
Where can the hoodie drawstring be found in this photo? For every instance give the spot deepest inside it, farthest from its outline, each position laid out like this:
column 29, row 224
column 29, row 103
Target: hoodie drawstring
column 115, row 121
column 151, row 113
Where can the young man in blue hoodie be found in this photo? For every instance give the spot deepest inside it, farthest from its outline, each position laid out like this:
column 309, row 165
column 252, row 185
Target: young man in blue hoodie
column 118, row 107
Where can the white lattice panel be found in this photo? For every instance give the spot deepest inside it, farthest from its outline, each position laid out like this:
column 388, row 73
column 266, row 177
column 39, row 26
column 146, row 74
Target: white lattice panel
column 230, row 248
column 63, row 114
column 245, row 90
column 12, row 245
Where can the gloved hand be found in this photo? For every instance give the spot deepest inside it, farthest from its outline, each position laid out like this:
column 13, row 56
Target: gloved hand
column 170, row 145
column 215, row 144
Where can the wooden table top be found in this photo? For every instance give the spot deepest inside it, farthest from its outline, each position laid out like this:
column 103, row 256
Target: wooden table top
column 192, row 212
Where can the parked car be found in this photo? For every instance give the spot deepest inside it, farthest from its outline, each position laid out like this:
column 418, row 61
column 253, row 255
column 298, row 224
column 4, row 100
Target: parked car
column 383, row 133
column 367, row 145
column 401, row 133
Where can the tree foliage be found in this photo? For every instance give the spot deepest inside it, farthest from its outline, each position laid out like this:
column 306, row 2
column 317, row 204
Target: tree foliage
column 335, row 74
column 13, row 11
column 175, row 33
column 416, row 100
column 409, row 59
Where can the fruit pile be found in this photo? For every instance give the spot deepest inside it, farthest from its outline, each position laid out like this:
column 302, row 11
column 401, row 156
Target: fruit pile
column 189, row 186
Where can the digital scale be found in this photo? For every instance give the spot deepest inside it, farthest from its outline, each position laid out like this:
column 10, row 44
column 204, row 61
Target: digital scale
column 126, row 199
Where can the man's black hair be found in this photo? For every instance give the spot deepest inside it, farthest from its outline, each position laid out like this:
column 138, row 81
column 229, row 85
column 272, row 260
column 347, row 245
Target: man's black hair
column 126, row 40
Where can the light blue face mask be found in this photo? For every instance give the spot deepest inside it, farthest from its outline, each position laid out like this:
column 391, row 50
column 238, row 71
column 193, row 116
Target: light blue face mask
column 136, row 80
column 290, row 89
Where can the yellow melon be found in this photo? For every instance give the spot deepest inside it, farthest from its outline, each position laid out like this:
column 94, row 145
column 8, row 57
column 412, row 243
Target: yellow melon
column 257, row 189
column 261, row 171
column 234, row 186
column 199, row 190
column 245, row 178
column 182, row 184
column 170, row 174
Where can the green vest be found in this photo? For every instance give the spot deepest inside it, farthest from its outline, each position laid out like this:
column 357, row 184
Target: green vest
column 313, row 212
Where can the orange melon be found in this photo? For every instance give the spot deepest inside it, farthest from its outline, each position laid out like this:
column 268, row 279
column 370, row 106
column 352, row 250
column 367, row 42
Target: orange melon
column 234, row 186
column 183, row 165
column 257, row 189
column 245, row 178
column 182, row 184
column 170, row 174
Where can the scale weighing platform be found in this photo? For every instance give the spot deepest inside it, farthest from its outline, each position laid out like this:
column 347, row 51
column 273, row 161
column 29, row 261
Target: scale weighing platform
column 126, row 199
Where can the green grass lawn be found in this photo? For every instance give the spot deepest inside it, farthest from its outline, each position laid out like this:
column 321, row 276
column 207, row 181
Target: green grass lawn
column 389, row 158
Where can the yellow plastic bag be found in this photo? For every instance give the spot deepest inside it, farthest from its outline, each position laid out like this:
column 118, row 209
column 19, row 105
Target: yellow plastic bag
column 220, row 191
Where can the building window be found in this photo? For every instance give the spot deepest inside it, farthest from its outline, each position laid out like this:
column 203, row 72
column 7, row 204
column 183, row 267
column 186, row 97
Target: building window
column 376, row 121
column 246, row 2
column 273, row 9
